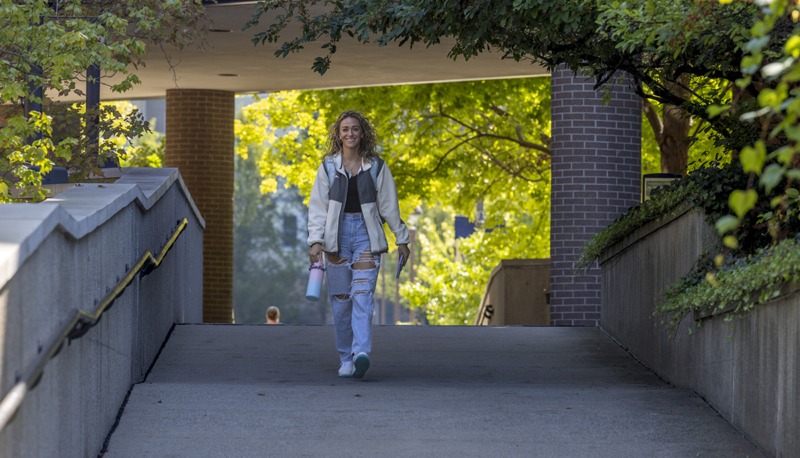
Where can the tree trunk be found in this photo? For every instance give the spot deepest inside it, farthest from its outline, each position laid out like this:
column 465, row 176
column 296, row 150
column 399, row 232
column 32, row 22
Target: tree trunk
column 674, row 144
column 671, row 132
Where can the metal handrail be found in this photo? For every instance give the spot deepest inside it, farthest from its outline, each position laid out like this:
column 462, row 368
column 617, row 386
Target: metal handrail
column 78, row 323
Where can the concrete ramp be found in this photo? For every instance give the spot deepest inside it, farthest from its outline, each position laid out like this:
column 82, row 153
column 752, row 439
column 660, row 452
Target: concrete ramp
column 257, row 391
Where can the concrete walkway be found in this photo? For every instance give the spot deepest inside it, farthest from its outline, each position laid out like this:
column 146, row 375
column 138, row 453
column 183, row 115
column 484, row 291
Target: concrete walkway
column 255, row 391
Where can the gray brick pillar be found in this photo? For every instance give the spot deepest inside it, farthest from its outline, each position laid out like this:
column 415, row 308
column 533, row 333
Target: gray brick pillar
column 596, row 173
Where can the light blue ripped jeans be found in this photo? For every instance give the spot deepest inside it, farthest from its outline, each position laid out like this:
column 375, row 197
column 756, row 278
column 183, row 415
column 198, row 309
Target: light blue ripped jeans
column 351, row 284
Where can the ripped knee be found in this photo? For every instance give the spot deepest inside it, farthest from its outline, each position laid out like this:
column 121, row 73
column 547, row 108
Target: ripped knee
column 366, row 261
column 341, row 297
column 337, row 261
column 362, row 286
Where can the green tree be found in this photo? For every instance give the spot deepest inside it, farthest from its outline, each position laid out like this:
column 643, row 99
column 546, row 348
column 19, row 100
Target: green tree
column 450, row 289
column 468, row 140
column 50, row 45
column 448, row 145
column 270, row 262
column 766, row 204
column 673, row 141
column 147, row 150
column 682, row 54
column 773, row 160
column 662, row 149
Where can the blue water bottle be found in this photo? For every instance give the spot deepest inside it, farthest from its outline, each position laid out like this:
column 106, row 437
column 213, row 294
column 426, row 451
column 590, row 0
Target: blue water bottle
column 314, row 281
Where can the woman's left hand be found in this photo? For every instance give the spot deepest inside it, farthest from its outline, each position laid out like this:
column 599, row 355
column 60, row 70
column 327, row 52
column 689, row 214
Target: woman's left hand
column 403, row 251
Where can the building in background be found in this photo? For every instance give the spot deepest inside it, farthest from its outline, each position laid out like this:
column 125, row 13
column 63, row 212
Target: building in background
column 153, row 109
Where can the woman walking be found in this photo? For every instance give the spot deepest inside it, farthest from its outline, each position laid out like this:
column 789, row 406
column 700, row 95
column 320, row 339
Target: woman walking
column 353, row 194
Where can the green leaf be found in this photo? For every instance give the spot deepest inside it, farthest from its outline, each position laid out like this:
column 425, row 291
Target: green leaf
column 715, row 110
column 730, row 242
column 794, row 174
column 752, row 158
column 771, row 177
column 786, row 153
column 726, row 224
column 744, row 82
column 742, row 201
column 792, row 46
column 769, row 98
column 756, row 44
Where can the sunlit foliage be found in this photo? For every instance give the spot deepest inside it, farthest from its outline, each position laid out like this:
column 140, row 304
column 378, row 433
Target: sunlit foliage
column 449, row 146
column 50, row 45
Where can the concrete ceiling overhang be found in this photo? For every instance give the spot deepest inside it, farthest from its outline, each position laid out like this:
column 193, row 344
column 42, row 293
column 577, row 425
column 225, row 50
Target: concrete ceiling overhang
column 259, row 71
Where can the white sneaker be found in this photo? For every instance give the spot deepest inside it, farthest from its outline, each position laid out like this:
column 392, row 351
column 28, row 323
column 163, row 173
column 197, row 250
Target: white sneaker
column 346, row 369
column 362, row 364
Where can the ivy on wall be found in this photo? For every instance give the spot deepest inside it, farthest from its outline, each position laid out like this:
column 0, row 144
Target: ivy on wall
column 730, row 284
column 736, row 288
column 706, row 188
column 658, row 206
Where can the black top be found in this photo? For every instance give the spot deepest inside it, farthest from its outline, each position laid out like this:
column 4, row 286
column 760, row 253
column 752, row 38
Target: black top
column 352, row 204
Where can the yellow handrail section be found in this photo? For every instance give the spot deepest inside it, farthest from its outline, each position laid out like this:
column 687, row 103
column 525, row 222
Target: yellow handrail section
column 77, row 324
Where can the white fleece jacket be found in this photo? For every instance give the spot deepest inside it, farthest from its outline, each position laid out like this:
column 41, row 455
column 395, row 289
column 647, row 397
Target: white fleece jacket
column 326, row 207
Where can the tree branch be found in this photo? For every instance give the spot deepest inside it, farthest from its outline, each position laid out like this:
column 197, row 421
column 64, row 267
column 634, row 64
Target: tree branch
column 441, row 159
column 655, row 120
column 521, row 141
column 499, row 163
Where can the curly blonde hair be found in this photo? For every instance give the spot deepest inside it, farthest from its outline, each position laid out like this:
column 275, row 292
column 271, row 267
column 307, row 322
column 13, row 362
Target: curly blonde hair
column 368, row 143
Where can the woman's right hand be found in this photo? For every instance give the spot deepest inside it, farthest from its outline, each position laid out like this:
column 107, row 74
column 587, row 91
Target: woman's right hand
column 315, row 253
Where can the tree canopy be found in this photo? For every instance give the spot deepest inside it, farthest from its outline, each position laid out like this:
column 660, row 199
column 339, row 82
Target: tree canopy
column 771, row 162
column 734, row 66
column 449, row 146
column 269, row 258
column 673, row 50
column 50, row 45
column 461, row 143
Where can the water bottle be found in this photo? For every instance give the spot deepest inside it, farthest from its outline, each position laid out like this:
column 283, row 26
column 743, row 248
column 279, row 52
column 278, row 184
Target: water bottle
column 314, row 281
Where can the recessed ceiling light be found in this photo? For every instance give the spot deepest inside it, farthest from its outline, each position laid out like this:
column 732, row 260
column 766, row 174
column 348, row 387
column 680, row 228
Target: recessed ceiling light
column 221, row 30
column 228, row 74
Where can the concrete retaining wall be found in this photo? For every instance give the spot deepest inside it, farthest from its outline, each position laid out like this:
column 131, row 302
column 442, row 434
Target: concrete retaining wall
column 63, row 254
column 750, row 374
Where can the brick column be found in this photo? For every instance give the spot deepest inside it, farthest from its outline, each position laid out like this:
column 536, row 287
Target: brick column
column 200, row 143
column 596, row 173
